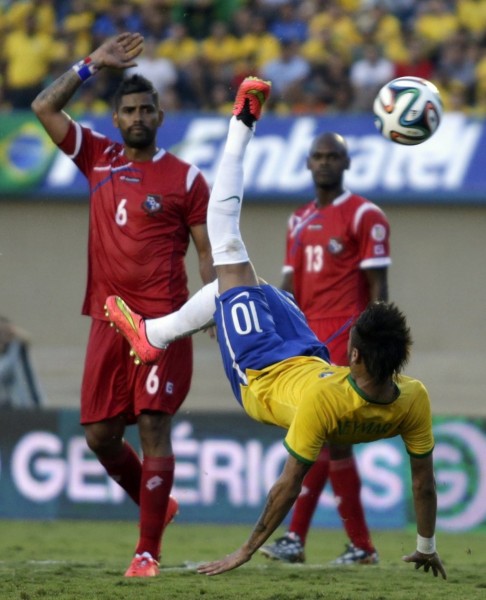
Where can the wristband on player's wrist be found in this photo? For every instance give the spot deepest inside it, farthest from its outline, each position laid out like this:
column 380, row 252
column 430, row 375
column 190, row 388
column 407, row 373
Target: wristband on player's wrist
column 85, row 68
column 425, row 545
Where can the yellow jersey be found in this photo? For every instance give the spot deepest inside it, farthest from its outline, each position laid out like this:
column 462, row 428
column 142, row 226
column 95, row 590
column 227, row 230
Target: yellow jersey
column 319, row 403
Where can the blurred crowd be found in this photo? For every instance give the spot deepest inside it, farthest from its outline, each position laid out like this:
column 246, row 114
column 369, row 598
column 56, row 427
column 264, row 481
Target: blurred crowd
column 322, row 56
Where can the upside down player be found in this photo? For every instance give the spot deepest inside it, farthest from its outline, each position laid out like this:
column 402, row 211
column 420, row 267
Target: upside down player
column 145, row 207
column 337, row 255
column 280, row 372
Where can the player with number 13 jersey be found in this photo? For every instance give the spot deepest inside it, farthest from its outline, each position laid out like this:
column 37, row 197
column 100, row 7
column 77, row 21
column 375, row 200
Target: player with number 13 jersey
column 328, row 249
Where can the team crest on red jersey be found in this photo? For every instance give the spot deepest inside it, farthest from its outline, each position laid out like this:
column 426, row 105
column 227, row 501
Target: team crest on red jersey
column 378, row 232
column 152, row 204
column 335, row 246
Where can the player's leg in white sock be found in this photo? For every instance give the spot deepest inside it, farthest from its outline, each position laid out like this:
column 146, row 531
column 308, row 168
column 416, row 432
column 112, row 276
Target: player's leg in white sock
column 224, row 210
column 195, row 314
column 226, row 197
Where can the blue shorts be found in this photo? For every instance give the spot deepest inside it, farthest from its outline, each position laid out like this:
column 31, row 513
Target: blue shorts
column 258, row 327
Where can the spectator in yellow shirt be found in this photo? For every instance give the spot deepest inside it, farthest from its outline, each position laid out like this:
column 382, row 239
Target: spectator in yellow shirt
column 257, row 44
column 435, row 22
column 77, row 25
column 220, row 46
column 178, row 47
column 345, row 34
column 319, row 47
column 29, row 55
column 377, row 25
column 472, row 16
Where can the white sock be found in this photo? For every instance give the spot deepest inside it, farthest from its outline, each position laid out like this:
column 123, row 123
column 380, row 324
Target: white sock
column 224, row 207
column 195, row 314
column 238, row 137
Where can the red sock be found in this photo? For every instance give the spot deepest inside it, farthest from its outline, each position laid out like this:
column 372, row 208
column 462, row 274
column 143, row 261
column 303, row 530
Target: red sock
column 346, row 484
column 126, row 470
column 157, row 480
column 306, row 503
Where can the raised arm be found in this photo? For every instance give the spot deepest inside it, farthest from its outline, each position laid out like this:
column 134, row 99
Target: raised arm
column 117, row 52
column 280, row 499
column 425, row 503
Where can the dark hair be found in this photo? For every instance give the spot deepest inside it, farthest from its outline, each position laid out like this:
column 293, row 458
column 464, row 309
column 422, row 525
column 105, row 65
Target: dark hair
column 383, row 338
column 135, row 84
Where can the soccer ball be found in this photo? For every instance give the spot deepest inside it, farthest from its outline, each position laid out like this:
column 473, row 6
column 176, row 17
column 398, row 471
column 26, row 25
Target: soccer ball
column 408, row 110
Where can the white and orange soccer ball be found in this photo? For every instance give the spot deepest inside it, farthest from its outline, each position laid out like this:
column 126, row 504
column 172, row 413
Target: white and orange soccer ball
column 408, row 110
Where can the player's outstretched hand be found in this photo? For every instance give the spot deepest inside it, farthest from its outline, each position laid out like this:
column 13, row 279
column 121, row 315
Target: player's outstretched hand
column 119, row 52
column 232, row 561
column 430, row 562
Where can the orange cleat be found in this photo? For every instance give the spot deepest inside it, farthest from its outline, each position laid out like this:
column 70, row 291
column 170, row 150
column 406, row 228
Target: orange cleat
column 143, row 565
column 250, row 98
column 132, row 326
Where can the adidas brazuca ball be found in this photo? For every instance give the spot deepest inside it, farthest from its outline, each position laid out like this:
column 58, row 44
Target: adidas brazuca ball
column 408, row 110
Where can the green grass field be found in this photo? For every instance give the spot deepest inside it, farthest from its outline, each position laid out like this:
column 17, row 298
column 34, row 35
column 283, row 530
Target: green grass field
column 77, row 560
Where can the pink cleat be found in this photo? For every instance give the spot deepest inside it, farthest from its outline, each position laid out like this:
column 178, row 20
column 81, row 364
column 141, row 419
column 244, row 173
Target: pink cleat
column 132, row 326
column 143, row 565
column 250, row 98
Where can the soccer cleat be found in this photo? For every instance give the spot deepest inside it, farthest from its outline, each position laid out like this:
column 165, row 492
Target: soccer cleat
column 356, row 556
column 288, row 549
column 143, row 565
column 250, row 97
column 172, row 511
column 132, row 326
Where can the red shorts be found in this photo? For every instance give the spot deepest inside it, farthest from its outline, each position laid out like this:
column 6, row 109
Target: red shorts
column 334, row 332
column 113, row 385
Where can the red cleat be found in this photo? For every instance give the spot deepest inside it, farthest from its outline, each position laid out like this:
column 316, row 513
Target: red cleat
column 250, row 97
column 143, row 565
column 132, row 326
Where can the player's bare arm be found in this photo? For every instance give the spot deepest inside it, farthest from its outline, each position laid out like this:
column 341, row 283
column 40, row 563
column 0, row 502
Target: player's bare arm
column 425, row 503
column 118, row 52
column 199, row 235
column 49, row 104
column 377, row 284
column 288, row 282
column 279, row 501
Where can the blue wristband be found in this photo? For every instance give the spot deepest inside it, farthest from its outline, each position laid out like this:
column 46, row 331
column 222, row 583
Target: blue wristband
column 85, row 69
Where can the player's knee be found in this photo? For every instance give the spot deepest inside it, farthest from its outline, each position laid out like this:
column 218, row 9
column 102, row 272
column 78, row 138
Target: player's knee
column 229, row 250
column 103, row 441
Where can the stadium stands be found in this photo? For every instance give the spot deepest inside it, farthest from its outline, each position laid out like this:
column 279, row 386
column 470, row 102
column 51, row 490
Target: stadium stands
column 212, row 44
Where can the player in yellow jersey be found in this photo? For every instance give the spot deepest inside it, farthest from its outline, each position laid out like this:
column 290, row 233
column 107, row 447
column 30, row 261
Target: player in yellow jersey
column 280, row 372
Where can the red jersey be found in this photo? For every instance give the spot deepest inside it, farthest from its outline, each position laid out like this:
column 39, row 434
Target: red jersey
column 327, row 250
column 140, row 219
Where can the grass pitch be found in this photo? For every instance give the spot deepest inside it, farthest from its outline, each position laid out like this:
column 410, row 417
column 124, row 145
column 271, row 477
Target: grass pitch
column 78, row 560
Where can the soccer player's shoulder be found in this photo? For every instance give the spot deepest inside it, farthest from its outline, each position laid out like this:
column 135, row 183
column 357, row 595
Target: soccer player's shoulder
column 356, row 202
column 180, row 170
column 305, row 209
column 174, row 161
column 333, row 374
column 411, row 387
